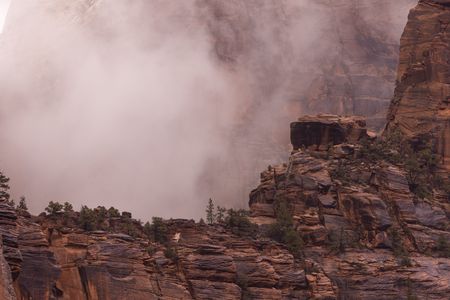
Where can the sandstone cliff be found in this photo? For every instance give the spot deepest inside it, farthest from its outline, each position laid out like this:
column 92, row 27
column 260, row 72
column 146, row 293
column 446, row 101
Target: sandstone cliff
column 420, row 108
column 390, row 236
column 363, row 232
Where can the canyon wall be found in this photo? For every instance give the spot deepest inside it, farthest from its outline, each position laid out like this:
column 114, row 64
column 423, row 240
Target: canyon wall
column 420, row 108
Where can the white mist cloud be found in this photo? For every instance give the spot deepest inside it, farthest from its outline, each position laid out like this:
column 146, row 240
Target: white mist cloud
column 152, row 106
column 4, row 6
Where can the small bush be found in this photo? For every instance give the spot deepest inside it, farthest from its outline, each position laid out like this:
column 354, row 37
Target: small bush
column 283, row 230
column 397, row 247
column 54, row 208
column 220, row 216
column 171, row 253
column 87, row 219
column 126, row 215
column 22, row 204
column 238, row 222
column 157, row 231
column 113, row 212
column 129, row 228
column 68, row 208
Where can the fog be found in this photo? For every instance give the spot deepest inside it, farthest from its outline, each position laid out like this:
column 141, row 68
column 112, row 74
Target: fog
column 155, row 106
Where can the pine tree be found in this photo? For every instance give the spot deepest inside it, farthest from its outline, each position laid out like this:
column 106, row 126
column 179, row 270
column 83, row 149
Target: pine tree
column 54, row 208
column 4, row 188
column 68, row 208
column 221, row 214
column 113, row 212
column 22, row 204
column 158, row 230
column 210, row 215
column 87, row 219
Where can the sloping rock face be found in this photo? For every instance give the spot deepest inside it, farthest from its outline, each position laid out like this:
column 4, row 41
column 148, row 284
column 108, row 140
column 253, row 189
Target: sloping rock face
column 420, row 108
column 388, row 237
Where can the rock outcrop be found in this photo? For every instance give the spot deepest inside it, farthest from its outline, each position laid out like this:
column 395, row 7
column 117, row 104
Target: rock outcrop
column 324, row 131
column 362, row 228
column 420, row 108
column 389, row 238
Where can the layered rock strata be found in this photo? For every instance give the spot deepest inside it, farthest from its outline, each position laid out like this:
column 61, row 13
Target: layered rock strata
column 420, row 108
column 323, row 131
column 391, row 238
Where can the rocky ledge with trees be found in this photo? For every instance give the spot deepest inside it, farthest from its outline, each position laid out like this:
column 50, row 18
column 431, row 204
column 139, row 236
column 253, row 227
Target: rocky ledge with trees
column 343, row 218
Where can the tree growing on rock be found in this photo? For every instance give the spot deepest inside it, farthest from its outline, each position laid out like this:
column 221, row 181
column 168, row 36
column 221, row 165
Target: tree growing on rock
column 4, row 188
column 87, row 219
column 22, row 204
column 283, row 230
column 113, row 212
column 210, row 214
column 68, row 208
column 157, row 231
column 398, row 248
column 54, row 208
column 221, row 214
column 238, row 222
column 126, row 215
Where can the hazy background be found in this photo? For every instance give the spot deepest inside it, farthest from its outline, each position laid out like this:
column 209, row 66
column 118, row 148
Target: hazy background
column 4, row 5
column 153, row 106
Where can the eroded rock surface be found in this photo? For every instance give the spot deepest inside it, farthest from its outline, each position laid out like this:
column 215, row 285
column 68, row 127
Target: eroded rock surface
column 324, row 131
column 420, row 108
column 387, row 237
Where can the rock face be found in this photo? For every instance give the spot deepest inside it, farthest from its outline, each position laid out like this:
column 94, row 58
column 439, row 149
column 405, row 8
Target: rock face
column 363, row 231
column 211, row 263
column 324, row 131
column 420, row 108
column 366, row 207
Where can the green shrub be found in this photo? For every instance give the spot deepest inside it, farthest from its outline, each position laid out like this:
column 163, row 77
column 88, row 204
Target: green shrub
column 221, row 214
column 68, row 208
column 113, row 212
column 157, row 231
column 87, row 219
column 128, row 228
column 238, row 222
column 126, row 215
column 22, row 204
column 171, row 253
column 398, row 248
column 283, row 230
column 54, row 208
